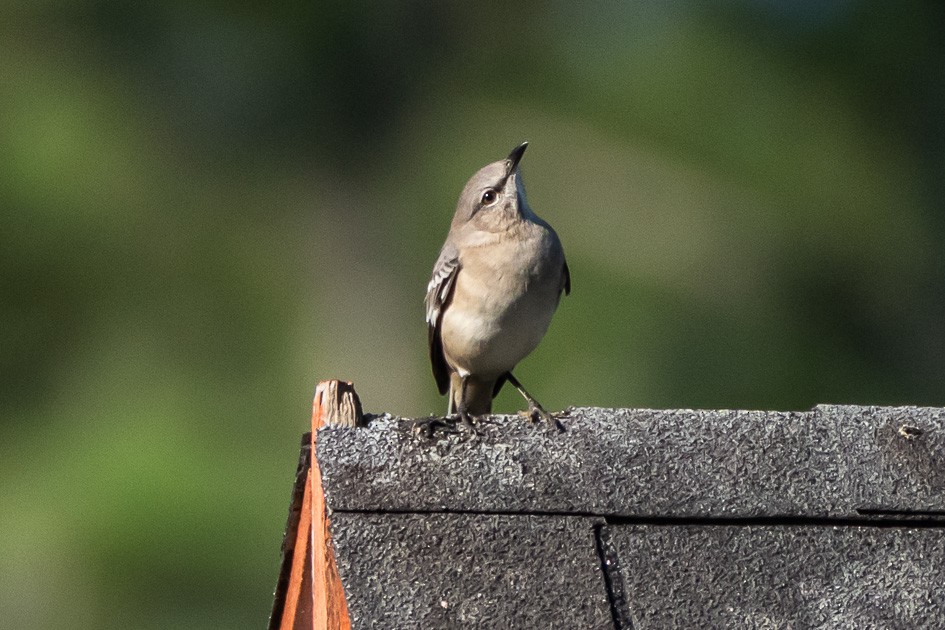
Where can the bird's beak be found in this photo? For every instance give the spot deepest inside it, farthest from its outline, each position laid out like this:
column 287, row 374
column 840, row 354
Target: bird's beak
column 515, row 156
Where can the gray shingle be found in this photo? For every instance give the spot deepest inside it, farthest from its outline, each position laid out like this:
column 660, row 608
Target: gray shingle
column 467, row 571
column 832, row 461
column 781, row 577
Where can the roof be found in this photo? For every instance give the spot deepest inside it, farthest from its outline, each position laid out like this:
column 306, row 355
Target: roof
column 643, row 518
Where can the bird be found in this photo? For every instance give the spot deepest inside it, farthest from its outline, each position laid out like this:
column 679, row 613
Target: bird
column 495, row 286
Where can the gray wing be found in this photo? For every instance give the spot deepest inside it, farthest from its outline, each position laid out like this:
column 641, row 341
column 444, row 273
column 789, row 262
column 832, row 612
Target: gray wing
column 439, row 292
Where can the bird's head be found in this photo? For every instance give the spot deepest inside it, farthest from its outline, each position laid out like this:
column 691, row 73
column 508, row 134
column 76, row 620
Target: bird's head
column 494, row 198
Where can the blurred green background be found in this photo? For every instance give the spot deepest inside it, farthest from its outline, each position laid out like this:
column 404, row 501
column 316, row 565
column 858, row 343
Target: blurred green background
column 209, row 206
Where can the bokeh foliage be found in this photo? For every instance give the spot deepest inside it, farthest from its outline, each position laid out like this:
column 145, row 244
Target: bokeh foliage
column 206, row 207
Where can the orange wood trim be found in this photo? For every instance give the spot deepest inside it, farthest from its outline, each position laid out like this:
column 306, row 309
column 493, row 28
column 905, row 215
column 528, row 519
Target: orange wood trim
column 295, row 592
column 330, row 608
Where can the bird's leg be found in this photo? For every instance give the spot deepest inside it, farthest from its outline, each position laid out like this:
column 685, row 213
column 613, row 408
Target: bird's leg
column 427, row 426
column 535, row 410
column 461, row 407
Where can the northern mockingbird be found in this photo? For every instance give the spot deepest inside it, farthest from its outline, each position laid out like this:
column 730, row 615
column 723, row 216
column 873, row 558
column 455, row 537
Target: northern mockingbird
column 494, row 288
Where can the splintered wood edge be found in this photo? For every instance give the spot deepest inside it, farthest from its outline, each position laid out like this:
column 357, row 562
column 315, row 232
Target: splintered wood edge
column 335, row 404
column 339, row 405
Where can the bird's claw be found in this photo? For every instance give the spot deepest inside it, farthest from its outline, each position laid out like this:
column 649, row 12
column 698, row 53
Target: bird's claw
column 468, row 425
column 427, row 427
column 536, row 412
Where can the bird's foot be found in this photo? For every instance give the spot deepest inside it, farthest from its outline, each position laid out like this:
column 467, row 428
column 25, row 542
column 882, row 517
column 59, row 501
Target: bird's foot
column 459, row 424
column 536, row 412
column 425, row 428
column 467, row 421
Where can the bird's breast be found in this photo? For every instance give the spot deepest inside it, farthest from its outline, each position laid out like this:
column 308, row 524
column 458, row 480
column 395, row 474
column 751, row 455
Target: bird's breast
column 505, row 295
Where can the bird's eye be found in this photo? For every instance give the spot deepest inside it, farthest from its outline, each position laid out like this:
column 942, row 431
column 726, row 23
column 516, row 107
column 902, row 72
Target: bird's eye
column 489, row 197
